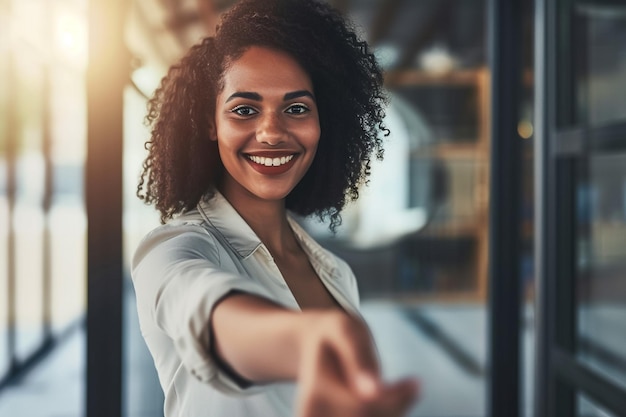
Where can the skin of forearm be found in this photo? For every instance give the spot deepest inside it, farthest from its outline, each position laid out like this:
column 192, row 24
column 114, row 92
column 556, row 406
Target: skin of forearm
column 260, row 340
column 330, row 353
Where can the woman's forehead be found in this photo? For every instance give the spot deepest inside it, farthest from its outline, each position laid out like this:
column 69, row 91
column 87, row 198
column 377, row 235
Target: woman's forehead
column 265, row 68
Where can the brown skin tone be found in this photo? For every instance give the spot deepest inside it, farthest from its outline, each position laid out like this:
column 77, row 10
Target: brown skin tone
column 267, row 109
column 303, row 282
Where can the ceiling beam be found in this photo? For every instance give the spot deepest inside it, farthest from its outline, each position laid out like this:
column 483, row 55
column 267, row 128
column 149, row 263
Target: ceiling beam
column 439, row 21
column 383, row 19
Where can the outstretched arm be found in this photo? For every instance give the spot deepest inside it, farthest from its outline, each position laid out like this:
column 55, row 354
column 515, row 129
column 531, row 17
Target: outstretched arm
column 330, row 353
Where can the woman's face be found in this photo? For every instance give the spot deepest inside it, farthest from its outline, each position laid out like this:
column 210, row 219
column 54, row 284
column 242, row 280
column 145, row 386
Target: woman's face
column 267, row 125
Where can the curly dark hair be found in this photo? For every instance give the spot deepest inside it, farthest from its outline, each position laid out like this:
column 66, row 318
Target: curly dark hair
column 183, row 163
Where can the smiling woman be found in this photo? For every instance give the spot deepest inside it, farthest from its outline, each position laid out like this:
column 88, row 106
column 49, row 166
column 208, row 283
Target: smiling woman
column 278, row 113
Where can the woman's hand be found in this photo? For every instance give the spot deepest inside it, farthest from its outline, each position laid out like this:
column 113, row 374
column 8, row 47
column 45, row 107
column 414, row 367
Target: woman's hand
column 329, row 353
column 339, row 373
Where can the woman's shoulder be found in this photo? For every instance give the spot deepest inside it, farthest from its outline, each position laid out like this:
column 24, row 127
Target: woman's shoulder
column 188, row 222
column 187, row 232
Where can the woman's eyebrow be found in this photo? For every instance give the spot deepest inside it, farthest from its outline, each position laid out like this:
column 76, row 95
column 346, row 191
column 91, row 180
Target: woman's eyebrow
column 245, row 94
column 257, row 97
column 299, row 93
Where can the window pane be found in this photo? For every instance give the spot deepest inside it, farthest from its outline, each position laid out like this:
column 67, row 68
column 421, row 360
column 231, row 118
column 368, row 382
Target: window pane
column 142, row 392
column 4, row 208
column 4, row 261
column 602, row 262
column 588, row 408
column 67, row 220
column 605, row 64
column 39, row 105
column 28, row 220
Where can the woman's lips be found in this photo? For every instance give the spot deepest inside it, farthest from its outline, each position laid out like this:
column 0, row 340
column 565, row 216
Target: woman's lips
column 271, row 164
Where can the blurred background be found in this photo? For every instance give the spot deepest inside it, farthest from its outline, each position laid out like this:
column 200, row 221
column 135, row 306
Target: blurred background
column 75, row 76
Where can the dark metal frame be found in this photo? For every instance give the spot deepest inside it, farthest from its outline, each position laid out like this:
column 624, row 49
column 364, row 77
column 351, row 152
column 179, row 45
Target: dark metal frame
column 107, row 76
column 505, row 46
column 562, row 155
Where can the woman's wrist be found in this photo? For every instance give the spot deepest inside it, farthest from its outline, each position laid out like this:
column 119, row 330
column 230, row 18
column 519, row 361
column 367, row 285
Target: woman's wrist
column 259, row 339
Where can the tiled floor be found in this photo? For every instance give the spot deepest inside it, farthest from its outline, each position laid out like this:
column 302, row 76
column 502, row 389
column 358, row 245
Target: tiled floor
column 449, row 389
column 52, row 389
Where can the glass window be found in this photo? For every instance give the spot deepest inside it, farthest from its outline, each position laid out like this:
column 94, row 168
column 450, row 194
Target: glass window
column 588, row 408
column 602, row 262
column 67, row 218
column 42, row 97
column 28, row 220
column 605, row 36
column 142, row 394
column 4, row 206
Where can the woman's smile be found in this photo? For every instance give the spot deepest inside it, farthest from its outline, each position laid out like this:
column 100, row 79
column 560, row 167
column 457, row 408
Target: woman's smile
column 269, row 161
column 272, row 163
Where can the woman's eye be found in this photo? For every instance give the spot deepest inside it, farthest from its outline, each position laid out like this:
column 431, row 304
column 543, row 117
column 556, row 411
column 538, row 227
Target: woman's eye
column 244, row 111
column 297, row 109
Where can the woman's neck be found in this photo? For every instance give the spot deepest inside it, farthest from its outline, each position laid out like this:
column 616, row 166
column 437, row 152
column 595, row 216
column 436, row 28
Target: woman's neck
column 267, row 218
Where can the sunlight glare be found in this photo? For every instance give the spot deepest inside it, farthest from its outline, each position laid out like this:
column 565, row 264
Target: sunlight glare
column 71, row 38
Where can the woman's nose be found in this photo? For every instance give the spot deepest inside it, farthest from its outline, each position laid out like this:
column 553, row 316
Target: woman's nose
column 271, row 130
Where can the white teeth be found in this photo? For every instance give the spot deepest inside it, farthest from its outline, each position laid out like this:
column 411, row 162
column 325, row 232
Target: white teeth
column 268, row 162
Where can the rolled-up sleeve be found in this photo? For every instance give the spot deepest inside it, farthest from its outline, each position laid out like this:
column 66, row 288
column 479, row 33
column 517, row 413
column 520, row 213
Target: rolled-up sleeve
column 178, row 277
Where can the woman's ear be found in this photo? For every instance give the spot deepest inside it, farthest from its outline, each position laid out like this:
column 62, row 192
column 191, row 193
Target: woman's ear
column 212, row 131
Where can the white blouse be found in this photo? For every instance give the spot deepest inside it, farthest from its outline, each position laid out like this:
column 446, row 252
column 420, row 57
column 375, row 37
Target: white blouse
column 180, row 270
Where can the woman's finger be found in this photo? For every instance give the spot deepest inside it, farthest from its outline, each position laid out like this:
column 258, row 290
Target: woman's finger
column 395, row 399
column 322, row 391
column 357, row 355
